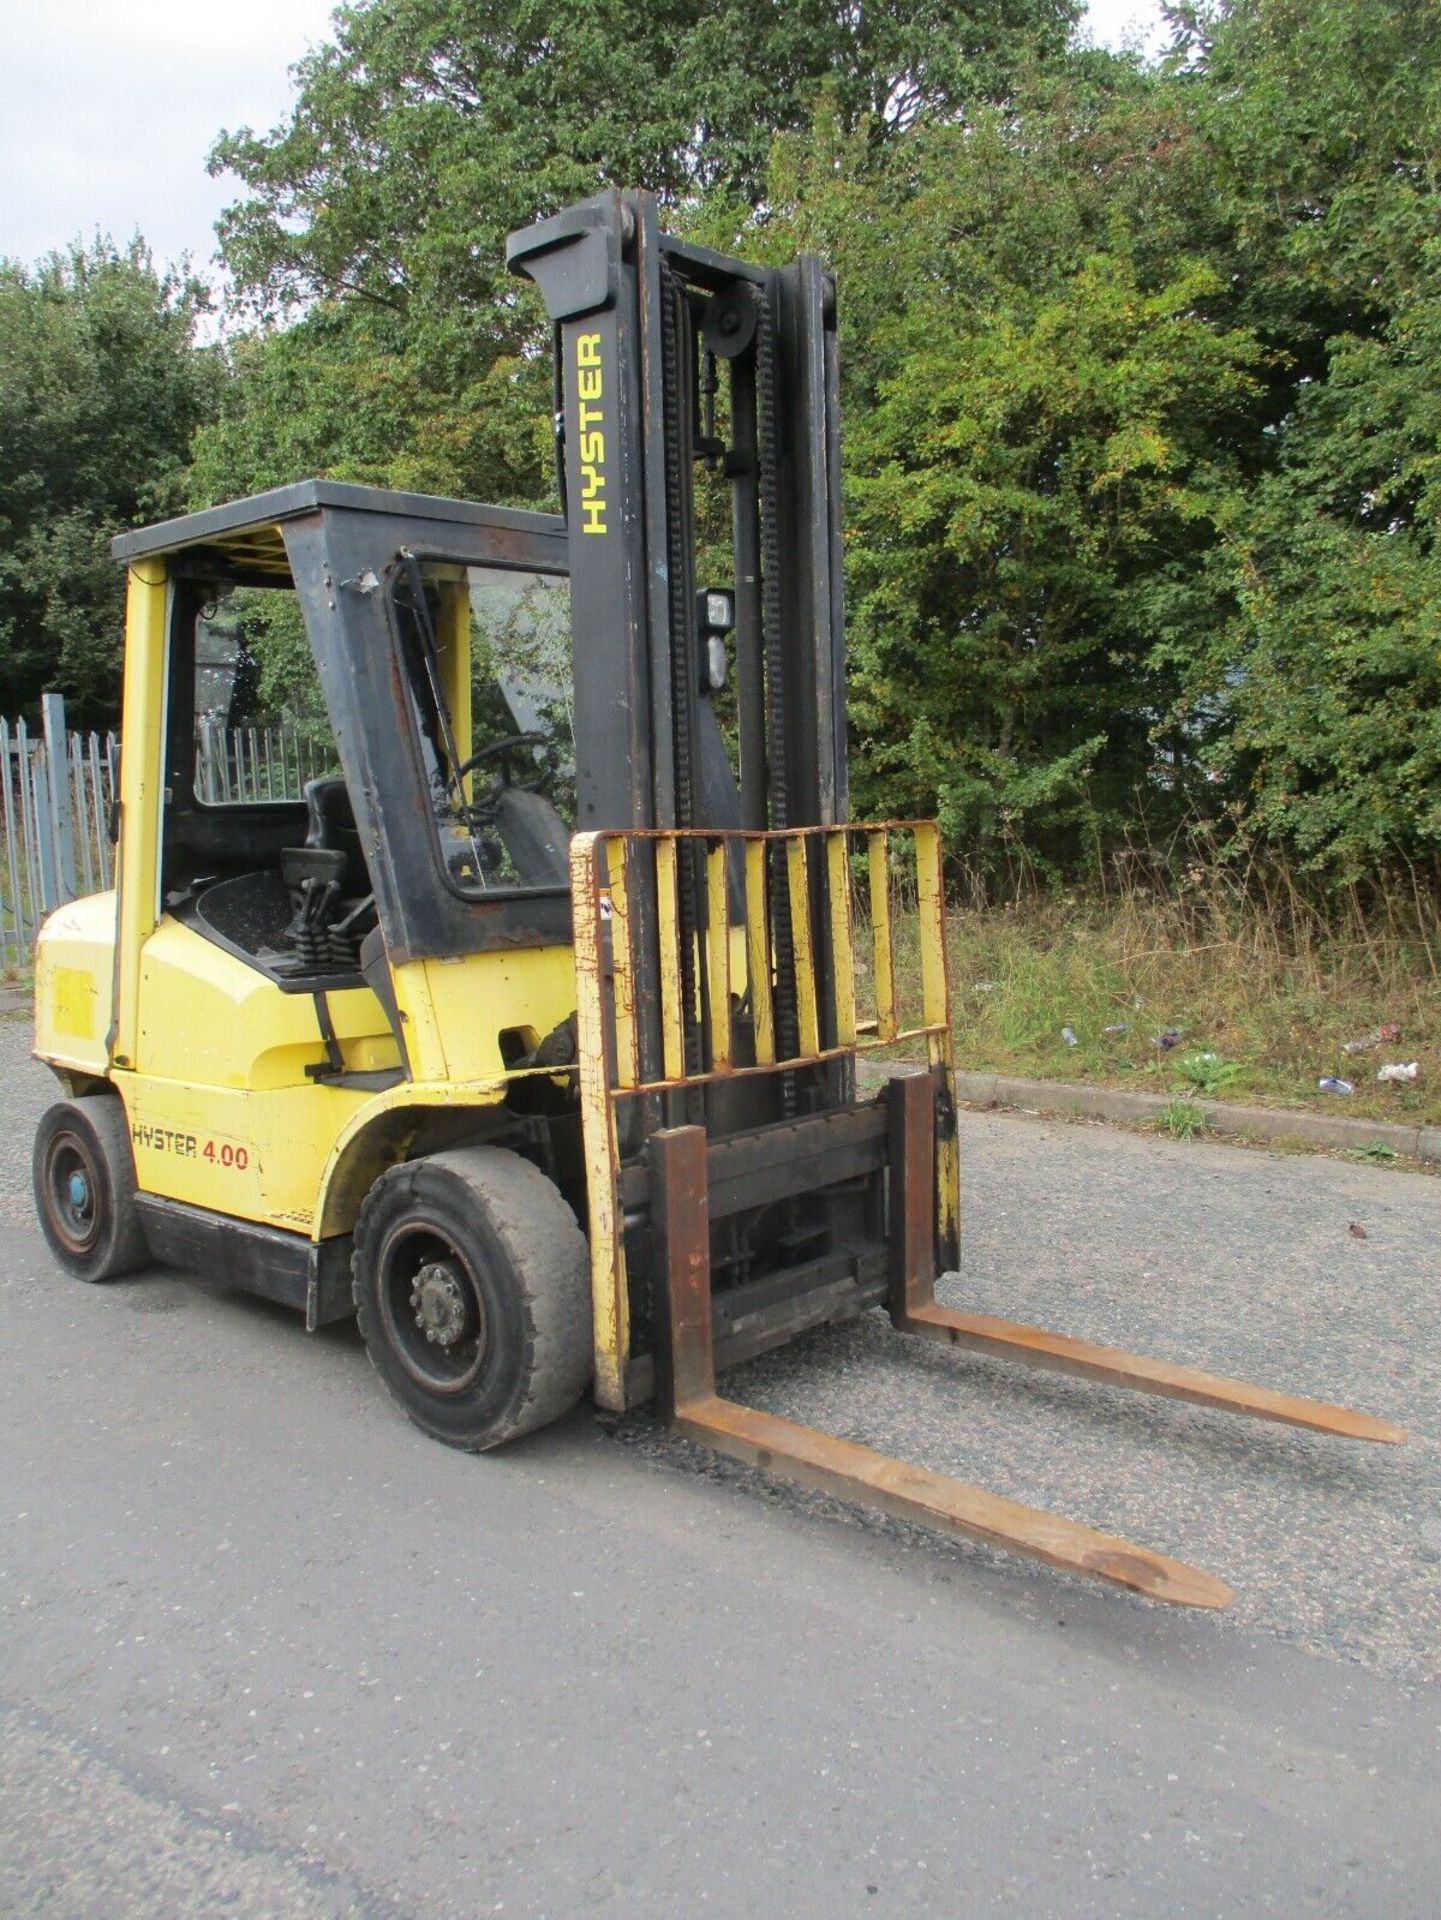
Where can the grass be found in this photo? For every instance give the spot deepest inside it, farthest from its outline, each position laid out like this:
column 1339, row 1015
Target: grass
column 1181, row 1118
column 1255, row 987
column 1263, row 993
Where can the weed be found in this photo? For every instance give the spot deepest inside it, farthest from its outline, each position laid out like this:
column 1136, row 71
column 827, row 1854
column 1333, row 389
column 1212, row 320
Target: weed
column 1181, row 1118
column 1374, row 1150
column 1207, row 1073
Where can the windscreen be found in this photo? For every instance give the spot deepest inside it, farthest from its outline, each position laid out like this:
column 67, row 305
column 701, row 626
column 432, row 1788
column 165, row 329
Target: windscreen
column 486, row 658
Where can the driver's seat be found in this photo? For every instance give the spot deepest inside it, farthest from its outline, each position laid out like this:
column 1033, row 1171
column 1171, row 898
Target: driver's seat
column 330, row 831
column 535, row 837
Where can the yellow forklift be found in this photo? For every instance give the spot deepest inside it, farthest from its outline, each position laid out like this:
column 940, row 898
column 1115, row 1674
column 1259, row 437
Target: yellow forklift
column 525, row 1027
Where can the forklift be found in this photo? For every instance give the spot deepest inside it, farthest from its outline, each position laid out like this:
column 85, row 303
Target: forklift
column 525, row 1027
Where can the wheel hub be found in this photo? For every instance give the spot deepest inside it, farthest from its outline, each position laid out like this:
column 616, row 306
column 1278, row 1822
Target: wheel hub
column 439, row 1301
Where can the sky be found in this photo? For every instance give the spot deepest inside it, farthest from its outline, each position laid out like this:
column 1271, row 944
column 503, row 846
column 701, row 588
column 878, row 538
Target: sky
column 109, row 107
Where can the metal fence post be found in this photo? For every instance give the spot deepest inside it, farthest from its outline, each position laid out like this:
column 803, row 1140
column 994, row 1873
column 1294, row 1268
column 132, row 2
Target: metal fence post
column 59, row 812
column 14, row 922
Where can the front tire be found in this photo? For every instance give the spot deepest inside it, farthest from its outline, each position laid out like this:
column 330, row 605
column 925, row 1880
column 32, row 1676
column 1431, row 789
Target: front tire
column 472, row 1291
column 84, row 1175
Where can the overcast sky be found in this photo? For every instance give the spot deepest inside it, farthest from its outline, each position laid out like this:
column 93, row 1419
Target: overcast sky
column 108, row 108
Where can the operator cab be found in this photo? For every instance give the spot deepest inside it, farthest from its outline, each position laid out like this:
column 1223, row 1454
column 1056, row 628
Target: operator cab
column 367, row 728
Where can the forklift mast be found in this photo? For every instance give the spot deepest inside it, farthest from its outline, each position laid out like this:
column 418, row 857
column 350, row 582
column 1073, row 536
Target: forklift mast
column 670, row 356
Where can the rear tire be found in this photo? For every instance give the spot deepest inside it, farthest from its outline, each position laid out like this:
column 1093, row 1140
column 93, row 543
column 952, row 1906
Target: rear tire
column 472, row 1291
column 84, row 1173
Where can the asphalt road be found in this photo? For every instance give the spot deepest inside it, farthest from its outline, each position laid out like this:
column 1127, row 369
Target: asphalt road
column 265, row 1650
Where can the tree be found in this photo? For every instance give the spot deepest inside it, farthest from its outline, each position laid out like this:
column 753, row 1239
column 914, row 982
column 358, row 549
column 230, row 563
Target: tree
column 430, row 129
column 1040, row 418
column 1320, row 129
column 1142, row 438
column 100, row 391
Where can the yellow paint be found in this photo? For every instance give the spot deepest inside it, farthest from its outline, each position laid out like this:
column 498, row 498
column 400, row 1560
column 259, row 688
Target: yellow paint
column 453, row 649
column 948, row 1180
column 758, row 952
column 718, row 956
column 878, row 864
column 725, row 951
column 668, row 917
column 609, row 1301
column 590, row 431
column 210, row 1019
column 142, row 731
column 930, row 895
column 74, row 981
column 379, row 1131
column 798, row 881
column 453, row 1011
column 936, row 1013
column 74, row 996
column 223, row 1056
column 622, row 960
column 843, row 958
column 729, row 952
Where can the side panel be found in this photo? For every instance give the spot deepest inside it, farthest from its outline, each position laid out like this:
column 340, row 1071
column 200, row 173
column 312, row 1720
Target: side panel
column 224, row 1114
column 74, row 984
column 454, row 1011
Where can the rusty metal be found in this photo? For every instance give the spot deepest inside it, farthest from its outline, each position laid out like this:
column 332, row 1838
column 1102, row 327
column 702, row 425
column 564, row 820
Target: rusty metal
column 915, row 1309
column 822, row 927
column 911, row 1101
column 764, row 1314
column 858, row 1474
column 609, row 1300
column 771, row 1163
column 684, row 1360
column 1059, row 1353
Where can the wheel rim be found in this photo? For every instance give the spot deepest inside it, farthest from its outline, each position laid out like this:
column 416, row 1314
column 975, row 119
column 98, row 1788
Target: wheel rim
column 72, row 1192
column 432, row 1309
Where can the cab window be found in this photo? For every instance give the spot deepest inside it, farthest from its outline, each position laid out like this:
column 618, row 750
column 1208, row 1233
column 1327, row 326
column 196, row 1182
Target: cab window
column 261, row 728
column 485, row 653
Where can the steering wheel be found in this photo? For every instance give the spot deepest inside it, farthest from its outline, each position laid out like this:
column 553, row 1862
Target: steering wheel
column 498, row 750
column 475, row 813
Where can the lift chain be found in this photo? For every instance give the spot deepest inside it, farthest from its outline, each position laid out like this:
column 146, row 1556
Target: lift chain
column 768, row 450
column 675, row 324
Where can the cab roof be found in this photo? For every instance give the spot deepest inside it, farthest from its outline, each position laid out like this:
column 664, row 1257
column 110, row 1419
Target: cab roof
column 247, row 532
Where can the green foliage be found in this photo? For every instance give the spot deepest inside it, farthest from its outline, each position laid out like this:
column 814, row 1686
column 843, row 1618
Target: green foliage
column 1316, row 693
column 1182, row 1119
column 1038, row 438
column 1143, row 434
column 1143, row 446
column 278, row 682
column 430, row 129
column 100, row 390
column 1207, row 1073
